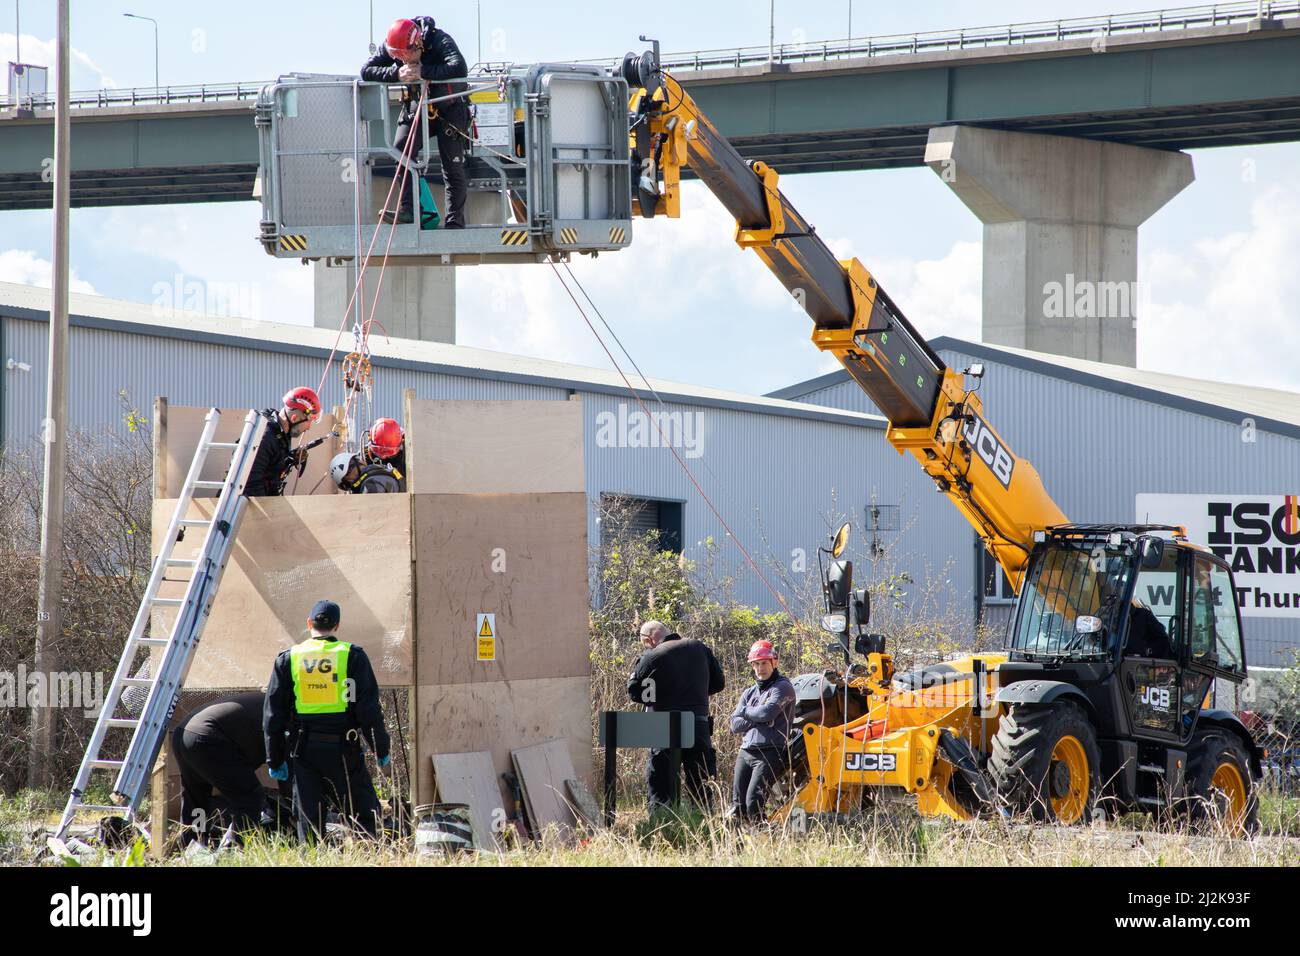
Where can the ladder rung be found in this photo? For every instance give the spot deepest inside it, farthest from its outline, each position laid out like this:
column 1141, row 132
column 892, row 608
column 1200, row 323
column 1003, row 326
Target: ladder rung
column 123, row 722
column 107, row 764
column 138, row 681
column 222, row 444
column 153, row 641
column 196, row 522
column 182, row 562
column 1152, row 768
column 209, row 484
column 167, row 602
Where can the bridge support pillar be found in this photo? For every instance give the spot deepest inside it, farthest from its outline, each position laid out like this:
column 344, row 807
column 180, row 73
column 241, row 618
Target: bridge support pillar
column 416, row 302
column 1060, row 233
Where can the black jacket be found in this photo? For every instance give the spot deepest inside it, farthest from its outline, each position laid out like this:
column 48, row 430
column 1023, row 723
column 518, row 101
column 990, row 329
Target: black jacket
column 274, row 459
column 441, row 64
column 236, row 721
column 364, row 713
column 677, row 675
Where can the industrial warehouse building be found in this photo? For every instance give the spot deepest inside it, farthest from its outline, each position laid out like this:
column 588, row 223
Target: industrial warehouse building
column 781, row 469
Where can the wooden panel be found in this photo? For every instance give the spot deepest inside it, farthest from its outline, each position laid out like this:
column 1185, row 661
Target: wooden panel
column 522, row 558
column 542, row 770
column 495, row 447
column 498, row 718
column 290, row 553
column 177, row 440
column 471, row 779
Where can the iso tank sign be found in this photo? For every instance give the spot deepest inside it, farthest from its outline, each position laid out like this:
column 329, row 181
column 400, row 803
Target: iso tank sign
column 1258, row 535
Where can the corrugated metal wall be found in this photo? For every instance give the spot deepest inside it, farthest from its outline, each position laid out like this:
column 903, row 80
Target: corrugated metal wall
column 1097, row 450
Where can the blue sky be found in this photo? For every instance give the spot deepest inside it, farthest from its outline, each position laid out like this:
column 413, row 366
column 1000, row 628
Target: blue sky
column 1221, row 297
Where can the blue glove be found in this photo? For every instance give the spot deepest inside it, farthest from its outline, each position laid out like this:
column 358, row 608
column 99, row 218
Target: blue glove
column 385, row 760
column 281, row 772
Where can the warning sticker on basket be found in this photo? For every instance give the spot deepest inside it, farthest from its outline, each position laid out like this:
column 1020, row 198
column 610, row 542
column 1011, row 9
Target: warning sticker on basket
column 486, row 635
column 492, row 124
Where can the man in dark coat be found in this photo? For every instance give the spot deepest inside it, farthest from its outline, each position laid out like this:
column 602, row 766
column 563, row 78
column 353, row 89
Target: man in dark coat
column 220, row 748
column 678, row 674
column 416, row 50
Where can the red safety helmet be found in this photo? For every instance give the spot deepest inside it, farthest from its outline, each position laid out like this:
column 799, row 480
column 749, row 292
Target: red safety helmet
column 303, row 399
column 762, row 651
column 402, row 36
column 385, row 439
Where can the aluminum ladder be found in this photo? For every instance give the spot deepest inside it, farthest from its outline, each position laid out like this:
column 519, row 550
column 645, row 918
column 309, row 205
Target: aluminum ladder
column 172, row 654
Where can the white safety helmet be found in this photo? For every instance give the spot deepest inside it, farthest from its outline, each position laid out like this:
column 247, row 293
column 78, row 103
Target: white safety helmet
column 339, row 466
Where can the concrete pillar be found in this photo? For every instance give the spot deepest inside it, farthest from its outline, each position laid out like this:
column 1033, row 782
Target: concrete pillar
column 1060, row 233
column 416, row 302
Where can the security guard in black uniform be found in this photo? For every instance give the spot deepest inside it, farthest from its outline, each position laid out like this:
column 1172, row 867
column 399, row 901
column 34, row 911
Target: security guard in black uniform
column 322, row 702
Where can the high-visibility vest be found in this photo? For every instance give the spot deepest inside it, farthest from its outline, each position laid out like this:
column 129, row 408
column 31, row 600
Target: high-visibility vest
column 320, row 675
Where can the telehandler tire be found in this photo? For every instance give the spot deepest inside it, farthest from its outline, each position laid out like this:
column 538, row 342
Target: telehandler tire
column 1221, row 793
column 1045, row 762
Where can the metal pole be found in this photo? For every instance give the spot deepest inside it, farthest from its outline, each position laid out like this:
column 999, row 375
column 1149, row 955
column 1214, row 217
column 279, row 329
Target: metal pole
column 136, row 16
column 771, row 31
column 850, row 22
column 50, row 579
column 478, row 4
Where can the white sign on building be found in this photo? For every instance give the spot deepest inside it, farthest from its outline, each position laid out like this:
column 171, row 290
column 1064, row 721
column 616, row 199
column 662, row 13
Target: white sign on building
column 1258, row 535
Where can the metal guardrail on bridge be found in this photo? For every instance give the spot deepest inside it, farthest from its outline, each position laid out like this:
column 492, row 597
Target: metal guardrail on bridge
column 1046, row 31
column 1119, row 24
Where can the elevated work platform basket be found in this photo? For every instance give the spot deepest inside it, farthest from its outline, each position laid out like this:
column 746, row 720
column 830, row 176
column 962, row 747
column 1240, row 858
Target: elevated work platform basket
column 494, row 523
column 548, row 167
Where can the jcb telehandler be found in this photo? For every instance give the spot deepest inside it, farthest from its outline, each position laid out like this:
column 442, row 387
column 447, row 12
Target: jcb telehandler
column 1100, row 700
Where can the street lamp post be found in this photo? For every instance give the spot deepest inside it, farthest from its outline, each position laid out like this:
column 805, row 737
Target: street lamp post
column 136, row 16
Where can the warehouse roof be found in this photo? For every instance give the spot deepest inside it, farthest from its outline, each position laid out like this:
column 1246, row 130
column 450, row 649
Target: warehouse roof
column 1273, row 410
column 89, row 311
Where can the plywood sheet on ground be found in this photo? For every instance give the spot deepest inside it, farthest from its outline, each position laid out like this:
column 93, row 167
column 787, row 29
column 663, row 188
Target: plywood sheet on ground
column 502, row 447
column 542, row 770
column 181, row 438
column 290, row 553
column 470, row 778
column 522, row 559
column 500, row 717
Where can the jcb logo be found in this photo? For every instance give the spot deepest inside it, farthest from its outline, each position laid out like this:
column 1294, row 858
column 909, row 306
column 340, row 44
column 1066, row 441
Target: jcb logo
column 1157, row 697
column 322, row 665
column 990, row 450
column 870, row 762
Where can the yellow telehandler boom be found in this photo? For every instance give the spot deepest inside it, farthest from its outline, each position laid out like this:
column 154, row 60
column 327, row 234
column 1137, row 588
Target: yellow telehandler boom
column 932, row 414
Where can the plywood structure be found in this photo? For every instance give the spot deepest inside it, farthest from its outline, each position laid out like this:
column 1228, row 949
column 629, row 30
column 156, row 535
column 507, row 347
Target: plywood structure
column 289, row 554
column 495, row 447
column 494, row 522
column 472, row 780
column 521, row 558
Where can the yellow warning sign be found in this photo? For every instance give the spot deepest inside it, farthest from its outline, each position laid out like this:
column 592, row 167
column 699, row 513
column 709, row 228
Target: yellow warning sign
column 485, row 96
column 486, row 631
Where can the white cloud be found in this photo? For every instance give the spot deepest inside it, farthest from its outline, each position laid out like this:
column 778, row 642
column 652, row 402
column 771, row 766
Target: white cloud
column 27, row 268
column 211, row 245
column 681, row 277
column 85, row 73
column 1228, row 308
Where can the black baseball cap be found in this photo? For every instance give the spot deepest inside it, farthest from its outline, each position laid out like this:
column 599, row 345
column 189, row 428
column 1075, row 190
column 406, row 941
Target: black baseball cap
column 325, row 615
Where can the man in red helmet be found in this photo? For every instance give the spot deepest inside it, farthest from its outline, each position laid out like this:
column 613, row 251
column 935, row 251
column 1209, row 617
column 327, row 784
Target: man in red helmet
column 763, row 715
column 386, row 446
column 276, row 457
column 414, row 50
